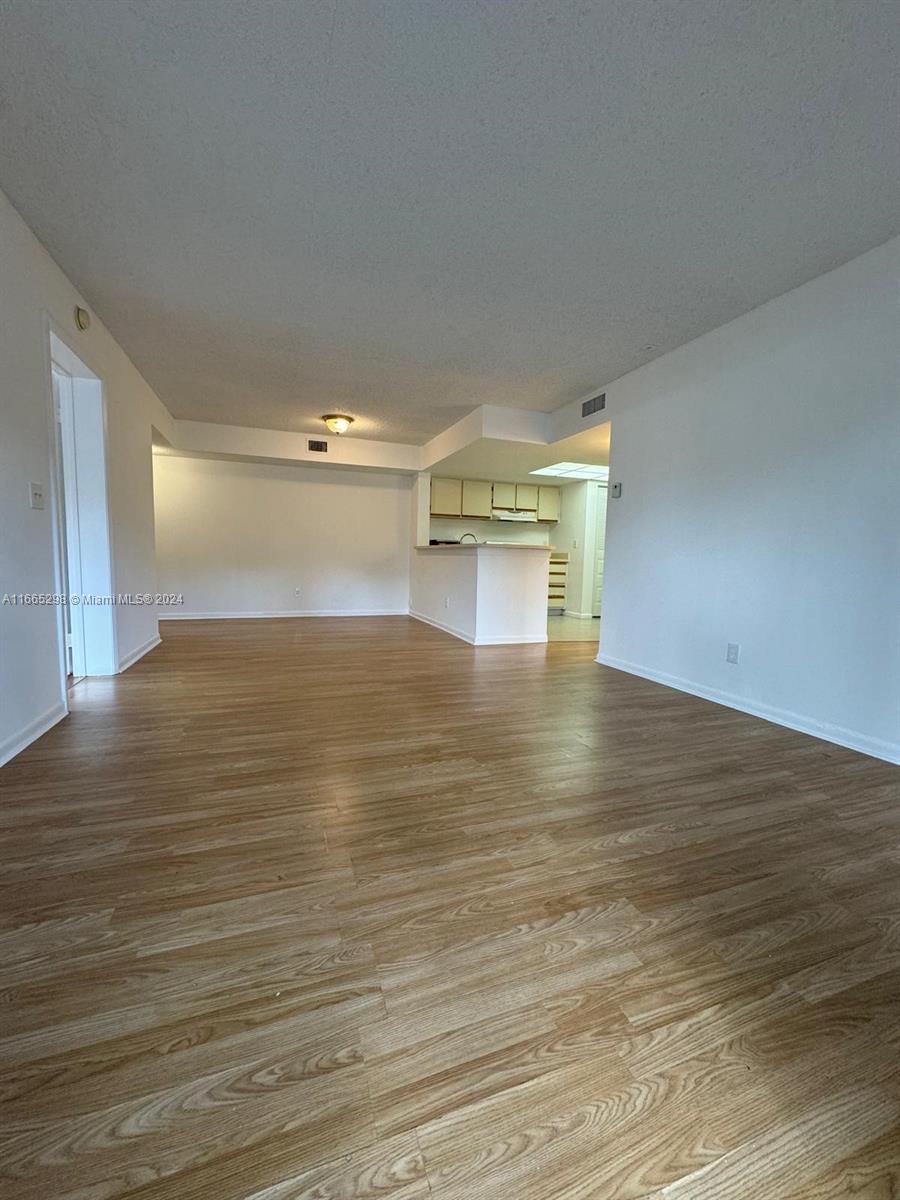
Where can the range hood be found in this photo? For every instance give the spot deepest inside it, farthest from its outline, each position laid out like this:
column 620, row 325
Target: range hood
column 512, row 514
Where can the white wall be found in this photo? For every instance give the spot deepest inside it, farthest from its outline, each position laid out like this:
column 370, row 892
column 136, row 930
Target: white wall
column 486, row 595
column 279, row 447
column 444, row 590
column 238, row 538
column 487, row 421
column 511, row 602
column 760, row 468
column 36, row 297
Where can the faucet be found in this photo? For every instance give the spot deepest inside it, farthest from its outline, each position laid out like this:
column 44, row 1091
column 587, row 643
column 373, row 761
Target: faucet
column 471, row 535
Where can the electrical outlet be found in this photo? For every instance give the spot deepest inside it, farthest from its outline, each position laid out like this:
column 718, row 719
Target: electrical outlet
column 574, row 543
column 36, row 495
column 733, row 653
column 296, row 591
column 446, row 602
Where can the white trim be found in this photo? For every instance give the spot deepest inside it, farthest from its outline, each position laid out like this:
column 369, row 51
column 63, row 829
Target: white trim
column 538, row 640
column 110, row 532
column 60, row 357
column 59, row 575
column 477, row 641
column 568, row 612
column 451, row 629
column 67, row 511
column 130, row 659
column 837, row 734
column 19, row 741
column 165, row 615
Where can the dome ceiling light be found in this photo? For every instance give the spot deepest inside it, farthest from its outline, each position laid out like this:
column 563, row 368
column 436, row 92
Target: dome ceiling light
column 337, row 422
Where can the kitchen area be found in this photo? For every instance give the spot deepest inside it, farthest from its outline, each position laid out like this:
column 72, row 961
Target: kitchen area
column 494, row 568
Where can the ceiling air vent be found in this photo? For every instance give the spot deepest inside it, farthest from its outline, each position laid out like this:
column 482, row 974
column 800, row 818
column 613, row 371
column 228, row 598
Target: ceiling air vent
column 317, row 447
column 597, row 404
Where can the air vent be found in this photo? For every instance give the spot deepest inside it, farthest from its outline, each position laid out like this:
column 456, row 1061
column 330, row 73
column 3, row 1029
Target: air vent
column 317, row 447
column 593, row 406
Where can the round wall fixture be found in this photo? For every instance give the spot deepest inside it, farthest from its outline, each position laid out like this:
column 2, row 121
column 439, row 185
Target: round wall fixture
column 337, row 422
column 82, row 318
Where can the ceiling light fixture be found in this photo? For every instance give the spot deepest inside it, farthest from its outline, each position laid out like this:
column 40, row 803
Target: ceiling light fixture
column 337, row 422
column 568, row 470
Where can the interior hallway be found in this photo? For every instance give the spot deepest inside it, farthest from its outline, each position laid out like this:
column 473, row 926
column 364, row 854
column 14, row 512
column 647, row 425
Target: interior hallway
column 300, row 908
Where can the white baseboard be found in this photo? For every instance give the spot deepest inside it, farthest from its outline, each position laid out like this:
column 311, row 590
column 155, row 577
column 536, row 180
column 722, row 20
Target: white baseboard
column 569, row 612
column 37, row 728
column 837, row 734
column 268, row 616
column 452, row 629
column 130, row 659
column 511, row 641
column 478, row 641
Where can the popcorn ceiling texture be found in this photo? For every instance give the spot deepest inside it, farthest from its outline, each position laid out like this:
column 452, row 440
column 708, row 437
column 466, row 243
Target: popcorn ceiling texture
column 406, row 210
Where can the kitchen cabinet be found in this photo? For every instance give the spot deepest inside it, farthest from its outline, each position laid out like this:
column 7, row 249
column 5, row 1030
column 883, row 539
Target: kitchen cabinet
column 476, row 498
column 446, row 497
column 504, row 495
column 527, row 497
column 548, row 504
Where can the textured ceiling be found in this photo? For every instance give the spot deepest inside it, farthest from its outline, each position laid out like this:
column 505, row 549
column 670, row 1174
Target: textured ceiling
column 405, row 209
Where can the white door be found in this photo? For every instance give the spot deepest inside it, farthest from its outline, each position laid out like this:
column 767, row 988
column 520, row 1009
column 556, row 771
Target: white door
column 600, row 549
column 61, row 519
column 70, row 536
column 81, row 518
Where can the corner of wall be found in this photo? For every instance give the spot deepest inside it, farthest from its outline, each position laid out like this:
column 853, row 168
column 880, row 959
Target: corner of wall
column 849, row 738
column 20, row 740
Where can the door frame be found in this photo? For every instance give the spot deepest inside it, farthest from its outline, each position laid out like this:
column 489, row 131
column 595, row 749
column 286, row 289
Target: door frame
column 66, row 512
column 81, row 502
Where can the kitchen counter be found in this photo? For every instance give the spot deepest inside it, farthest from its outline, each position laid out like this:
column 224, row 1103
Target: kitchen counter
column 486, row 593
column 486, row 546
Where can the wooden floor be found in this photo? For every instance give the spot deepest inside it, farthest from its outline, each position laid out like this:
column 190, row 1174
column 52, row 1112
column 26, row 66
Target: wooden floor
column 338, row 909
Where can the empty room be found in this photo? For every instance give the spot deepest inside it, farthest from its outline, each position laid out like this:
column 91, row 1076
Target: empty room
column 449, row 600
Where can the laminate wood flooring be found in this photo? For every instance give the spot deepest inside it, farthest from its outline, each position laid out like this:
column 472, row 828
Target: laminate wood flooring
column 341, row 909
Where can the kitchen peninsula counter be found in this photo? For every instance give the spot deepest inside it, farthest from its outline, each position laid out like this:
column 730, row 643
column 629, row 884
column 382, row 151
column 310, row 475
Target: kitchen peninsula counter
column 486, row 593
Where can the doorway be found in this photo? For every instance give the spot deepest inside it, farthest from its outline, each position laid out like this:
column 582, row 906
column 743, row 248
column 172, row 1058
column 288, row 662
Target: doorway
column 579, row 562
column 81, row 518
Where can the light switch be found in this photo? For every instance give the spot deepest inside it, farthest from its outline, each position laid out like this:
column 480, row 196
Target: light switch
column 616, row 491
column 36, row 495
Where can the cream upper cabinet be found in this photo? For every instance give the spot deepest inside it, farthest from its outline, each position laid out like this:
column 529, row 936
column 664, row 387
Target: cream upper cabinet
column 446, row 497
column 476, row 498
column 527, row 496
column 504, row 495
column 548, row 504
